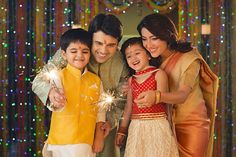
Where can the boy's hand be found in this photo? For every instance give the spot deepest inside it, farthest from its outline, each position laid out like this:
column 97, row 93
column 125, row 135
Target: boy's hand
column 106, row 127
column 98, row 142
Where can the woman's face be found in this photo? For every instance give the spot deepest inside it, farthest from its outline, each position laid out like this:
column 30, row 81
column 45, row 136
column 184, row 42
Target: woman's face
column 153, row 44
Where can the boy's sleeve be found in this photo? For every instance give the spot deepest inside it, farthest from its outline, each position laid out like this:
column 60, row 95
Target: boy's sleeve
column 40, row 85
column 101, row 116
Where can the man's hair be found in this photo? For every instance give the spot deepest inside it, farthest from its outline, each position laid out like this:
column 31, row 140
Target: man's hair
column 108, row 24
column 74, row 35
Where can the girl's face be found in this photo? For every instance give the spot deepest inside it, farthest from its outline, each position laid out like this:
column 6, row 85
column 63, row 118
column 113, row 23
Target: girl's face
column 153, row 44
column 77, row 55
column 137, row 57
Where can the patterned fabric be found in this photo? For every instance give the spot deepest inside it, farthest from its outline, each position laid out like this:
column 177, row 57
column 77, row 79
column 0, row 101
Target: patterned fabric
column 156, row 110
column 150, row 138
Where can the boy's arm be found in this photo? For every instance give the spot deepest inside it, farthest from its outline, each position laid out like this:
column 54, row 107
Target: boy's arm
column 99, row 131
column 40, row 85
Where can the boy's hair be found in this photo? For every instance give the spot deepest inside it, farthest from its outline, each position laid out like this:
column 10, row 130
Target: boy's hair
column 133, row 41
column 108, row 24
column 74, row 35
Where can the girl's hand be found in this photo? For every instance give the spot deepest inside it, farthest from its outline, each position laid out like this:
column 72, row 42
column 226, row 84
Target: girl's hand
column 57, row 97
column 119, row 139
column 146, row 99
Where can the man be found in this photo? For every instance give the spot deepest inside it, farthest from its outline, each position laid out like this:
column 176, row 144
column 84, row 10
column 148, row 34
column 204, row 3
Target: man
column 106, row 61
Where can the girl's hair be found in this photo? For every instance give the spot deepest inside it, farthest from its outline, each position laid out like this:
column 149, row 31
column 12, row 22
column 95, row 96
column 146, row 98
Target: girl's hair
column 163, row 28
column 138, row 41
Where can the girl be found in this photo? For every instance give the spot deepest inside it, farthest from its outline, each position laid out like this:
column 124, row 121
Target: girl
column 149, row 131
column 193, row 86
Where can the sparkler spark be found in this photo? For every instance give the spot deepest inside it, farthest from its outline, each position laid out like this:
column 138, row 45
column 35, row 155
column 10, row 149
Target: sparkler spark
column 53, row 77
column 108, row 100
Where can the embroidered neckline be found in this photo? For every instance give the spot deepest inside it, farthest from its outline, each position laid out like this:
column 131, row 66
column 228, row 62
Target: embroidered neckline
column 145, row 71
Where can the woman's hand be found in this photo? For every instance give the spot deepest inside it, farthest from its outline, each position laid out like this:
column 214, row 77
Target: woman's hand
column 146, row 99
column 57, row 97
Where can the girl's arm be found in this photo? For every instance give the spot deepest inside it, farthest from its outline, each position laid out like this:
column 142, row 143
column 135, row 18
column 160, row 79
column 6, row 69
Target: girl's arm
column 122, row 131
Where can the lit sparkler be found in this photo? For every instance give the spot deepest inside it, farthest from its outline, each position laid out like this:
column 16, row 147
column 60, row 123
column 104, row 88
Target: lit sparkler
column 108, row 100
column 53, row 77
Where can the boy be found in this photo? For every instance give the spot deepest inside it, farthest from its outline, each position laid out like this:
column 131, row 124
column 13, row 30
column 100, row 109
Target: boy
column 72, row 130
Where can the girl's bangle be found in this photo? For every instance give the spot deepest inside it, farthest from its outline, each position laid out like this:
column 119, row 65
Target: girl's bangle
column 121, row 134
column 158, row 97
column 122, row 131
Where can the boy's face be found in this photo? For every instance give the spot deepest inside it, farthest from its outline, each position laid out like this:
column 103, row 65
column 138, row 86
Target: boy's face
column 77, row 55
column 137, row 57
column 104, row 46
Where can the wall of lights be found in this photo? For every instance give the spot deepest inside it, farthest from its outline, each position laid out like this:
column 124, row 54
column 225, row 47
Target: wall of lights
column 29, row 36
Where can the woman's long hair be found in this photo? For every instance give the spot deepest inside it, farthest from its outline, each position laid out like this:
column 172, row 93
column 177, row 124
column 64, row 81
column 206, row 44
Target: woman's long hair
column 163, row 28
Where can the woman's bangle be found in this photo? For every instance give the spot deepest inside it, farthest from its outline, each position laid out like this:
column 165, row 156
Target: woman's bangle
column 158, row 97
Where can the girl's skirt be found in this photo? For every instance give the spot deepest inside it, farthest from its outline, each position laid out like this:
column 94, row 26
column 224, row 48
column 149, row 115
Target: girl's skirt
column 151, row 138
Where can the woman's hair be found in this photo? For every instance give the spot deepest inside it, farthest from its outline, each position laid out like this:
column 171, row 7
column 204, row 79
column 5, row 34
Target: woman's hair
column 138, row 41
column 108, row 24
column 163, row 28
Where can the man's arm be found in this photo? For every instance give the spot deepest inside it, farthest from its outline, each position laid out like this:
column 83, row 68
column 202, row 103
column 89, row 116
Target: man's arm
column 40, row 85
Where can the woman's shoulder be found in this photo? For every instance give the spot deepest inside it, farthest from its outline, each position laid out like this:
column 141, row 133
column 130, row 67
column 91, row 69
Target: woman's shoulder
column 194, row 53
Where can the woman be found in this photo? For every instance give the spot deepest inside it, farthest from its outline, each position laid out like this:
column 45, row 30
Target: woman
column 193, row 86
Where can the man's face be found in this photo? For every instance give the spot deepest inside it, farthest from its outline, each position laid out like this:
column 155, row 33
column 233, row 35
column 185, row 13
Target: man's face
column 104, row 46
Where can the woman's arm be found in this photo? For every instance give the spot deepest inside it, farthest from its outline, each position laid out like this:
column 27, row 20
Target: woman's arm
column 186, row 84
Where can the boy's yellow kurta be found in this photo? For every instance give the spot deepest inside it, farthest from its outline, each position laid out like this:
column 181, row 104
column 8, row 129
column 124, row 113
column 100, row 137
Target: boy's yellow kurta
column 76, row 123
column 184, row 68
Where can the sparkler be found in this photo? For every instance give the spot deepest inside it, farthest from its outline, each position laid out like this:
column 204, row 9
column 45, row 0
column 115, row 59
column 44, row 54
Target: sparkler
column 53, row 77
column 108, row 100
